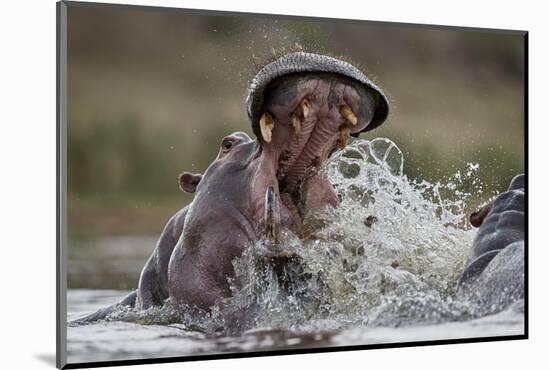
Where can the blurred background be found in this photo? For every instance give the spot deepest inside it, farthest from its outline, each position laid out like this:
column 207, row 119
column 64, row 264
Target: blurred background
column 151, row 93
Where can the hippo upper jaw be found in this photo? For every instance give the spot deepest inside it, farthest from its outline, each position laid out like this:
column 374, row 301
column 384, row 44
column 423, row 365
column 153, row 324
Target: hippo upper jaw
column 306, row 63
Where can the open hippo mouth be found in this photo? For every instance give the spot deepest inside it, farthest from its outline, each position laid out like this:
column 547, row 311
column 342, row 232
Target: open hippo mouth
column 303, row 107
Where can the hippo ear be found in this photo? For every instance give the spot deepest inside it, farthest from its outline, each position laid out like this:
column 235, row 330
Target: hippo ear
column 477, row 218
column 188, row 181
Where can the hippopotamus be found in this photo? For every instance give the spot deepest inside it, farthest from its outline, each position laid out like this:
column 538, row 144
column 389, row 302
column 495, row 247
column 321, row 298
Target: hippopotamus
column 302, row 108
column 494, row 275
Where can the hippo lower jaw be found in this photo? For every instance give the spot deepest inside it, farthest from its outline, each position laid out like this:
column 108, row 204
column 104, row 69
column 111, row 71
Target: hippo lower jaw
column 306, row 117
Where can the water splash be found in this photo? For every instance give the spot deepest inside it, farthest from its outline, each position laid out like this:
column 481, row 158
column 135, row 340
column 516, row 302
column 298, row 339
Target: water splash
column 390, row 255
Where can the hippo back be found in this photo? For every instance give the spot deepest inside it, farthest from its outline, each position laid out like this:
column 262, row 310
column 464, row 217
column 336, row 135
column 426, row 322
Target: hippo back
column 495, row 274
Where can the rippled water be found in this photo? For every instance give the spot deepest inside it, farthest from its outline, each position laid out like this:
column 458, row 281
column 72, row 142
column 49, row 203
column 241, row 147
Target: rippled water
column 118, row 340
column 381, row 268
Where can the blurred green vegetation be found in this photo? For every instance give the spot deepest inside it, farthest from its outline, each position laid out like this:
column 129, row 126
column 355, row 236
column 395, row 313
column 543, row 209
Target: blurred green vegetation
column 152, row 94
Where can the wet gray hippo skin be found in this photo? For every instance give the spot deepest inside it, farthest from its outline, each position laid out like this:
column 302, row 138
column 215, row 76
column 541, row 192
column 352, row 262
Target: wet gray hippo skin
column 302, row 108
column 494, row 276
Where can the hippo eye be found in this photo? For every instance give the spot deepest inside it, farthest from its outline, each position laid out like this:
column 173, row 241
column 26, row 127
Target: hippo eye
column 226, row 145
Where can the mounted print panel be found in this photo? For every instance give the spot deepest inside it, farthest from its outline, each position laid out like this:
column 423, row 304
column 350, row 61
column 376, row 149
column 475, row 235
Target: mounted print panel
column 237, row 184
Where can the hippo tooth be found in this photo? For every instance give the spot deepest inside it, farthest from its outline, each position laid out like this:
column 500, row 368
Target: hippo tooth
column 266, row 125
column 344, row 131
column 296, row 125
column 272, row 215
column 347, row 113
column 305, row 107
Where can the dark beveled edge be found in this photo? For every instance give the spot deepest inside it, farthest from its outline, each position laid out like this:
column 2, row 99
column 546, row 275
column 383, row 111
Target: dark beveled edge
column 526, row 170
column 61, row 158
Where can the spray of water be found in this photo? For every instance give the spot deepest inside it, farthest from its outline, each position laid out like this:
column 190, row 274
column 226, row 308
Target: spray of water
column 389, row 255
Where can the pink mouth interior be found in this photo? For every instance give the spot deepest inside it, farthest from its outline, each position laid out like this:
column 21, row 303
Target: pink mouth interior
column 298, row 159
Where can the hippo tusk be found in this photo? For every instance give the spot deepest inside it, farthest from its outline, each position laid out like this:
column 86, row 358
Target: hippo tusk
column 266, row 126
column 296, row 125
column 272, row 215
column 348, row 114
column 305, row 107
column 344, row 131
